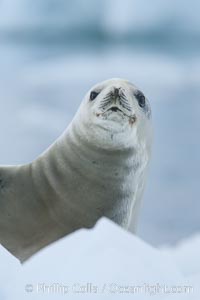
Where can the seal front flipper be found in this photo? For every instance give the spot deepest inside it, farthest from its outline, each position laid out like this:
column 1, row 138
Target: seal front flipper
column 9, row 210
column 16, row 217
column 25, row 225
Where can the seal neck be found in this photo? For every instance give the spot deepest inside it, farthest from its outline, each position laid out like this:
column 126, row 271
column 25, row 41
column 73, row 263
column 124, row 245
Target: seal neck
column 89, row 146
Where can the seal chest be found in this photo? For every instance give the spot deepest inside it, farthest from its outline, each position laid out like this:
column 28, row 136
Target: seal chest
column 96, row 168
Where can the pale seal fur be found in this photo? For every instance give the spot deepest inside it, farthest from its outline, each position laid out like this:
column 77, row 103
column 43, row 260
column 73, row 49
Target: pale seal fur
column 96, row 168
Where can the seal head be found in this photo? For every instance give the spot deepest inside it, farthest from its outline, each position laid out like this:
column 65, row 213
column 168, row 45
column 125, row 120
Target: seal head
column 115, row 113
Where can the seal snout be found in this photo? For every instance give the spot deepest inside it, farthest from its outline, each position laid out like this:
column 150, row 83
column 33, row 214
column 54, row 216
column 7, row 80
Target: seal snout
column 115, row 101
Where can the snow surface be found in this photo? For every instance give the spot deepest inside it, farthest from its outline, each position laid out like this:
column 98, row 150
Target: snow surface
column 103, row 263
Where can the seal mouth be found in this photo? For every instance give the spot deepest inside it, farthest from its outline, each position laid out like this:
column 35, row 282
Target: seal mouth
column 115, row 109
column 116, row 112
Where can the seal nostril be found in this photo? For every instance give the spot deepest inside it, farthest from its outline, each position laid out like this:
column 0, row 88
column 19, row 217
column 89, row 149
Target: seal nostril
column 116, row 92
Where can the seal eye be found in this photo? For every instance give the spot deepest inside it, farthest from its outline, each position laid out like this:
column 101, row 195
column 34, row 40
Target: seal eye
column 93, row 95
column 141, row 99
